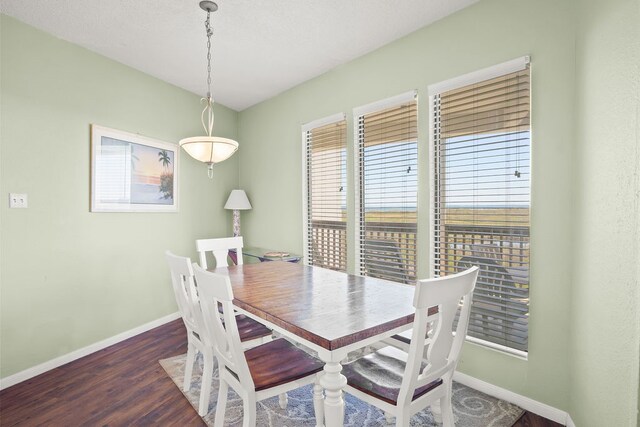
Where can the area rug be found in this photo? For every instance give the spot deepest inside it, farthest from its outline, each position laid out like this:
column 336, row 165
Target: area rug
column 471, row 408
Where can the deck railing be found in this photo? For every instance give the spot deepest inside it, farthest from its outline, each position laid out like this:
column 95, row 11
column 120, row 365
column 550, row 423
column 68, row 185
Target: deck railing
column 501, row 303
column 383, row 241
column 507, row 245
column 328, row 244
column 330, row 240
column 500, row 310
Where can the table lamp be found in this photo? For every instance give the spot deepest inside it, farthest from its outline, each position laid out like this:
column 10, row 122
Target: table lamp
column 237, row 201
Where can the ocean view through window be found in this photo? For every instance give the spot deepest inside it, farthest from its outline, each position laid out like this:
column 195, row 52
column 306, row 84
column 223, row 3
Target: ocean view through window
column 387, row 165
column 325, row 193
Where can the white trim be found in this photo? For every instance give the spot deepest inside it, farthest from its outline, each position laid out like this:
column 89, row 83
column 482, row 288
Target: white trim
column 82, row 352
column 357, row 263
column 480, row 75
column 338, row 117
column 384, row 103
column 569, row 422
column 432, row 187
column 498, row 347
column 305, row 200
column 488, row 73
column 526, row 403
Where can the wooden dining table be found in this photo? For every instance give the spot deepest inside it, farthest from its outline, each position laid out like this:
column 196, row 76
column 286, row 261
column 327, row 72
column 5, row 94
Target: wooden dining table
column 328, row 311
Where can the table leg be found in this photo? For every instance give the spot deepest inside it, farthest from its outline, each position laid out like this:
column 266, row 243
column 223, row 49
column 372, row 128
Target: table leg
column 333, row 382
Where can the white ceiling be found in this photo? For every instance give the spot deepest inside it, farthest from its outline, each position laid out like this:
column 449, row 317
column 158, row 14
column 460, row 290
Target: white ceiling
column 260, row 47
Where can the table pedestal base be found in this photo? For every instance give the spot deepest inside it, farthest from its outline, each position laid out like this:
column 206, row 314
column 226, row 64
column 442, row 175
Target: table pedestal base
column 333, row 383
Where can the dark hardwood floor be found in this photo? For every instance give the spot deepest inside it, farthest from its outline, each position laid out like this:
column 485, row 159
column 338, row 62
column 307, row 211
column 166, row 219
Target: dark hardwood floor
column 120, row 385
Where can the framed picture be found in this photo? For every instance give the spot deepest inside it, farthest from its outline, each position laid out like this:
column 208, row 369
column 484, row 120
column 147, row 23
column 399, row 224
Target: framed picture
column 132, row 173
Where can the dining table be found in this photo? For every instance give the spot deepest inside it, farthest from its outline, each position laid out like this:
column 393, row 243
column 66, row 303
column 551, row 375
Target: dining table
column 330, row 312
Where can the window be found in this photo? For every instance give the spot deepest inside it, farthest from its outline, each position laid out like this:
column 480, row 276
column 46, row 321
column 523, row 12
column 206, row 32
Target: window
column 481, row 195
column 387, row 159
column 325, row 177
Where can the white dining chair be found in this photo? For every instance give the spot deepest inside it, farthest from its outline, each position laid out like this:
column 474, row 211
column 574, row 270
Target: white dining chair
column 402, row 383
column 219, row 247
column 251, row 332
column 261, row 372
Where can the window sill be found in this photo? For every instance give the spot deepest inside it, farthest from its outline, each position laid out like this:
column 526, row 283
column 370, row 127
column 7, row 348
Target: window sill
column 519, row 354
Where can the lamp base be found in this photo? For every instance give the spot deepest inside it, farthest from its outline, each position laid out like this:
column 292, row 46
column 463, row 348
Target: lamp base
column 236, row 223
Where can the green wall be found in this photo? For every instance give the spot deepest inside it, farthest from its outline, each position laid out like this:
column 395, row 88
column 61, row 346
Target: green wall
column 59, row 290
column 606, row 297
column 69, row 277
column 487, row 33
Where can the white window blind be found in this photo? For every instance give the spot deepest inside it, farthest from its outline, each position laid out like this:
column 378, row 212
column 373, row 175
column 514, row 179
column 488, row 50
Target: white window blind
column 113, row 171
column 481, row 201
column 325, row 187
column 387, row 157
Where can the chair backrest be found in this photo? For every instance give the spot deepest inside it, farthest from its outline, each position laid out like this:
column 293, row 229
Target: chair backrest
column 215, row 292
column 220, row 249
column 185, row 291
column 444, row 347
column 382, row 259
column 491, row 271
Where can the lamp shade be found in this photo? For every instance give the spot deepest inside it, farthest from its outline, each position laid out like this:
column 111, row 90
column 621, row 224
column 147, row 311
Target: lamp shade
column 238, row 200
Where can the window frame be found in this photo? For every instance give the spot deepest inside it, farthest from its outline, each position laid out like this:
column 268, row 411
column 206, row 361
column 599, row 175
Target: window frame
column 306, row 127
column 358, row 112
column 434, row 90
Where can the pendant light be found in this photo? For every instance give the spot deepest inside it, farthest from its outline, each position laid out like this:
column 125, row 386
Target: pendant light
column 209, row 149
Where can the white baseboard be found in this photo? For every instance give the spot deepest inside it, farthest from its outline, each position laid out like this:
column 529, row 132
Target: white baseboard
column 539, row 408
column 85, row 351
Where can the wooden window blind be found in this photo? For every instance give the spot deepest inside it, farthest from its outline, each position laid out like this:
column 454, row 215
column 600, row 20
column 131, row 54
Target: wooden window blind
column 387, row 158
column 325, row 173
column 481, row 201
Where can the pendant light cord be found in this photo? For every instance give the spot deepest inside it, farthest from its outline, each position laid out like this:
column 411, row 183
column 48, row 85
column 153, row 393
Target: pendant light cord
column 209, row 30
column 208, row 101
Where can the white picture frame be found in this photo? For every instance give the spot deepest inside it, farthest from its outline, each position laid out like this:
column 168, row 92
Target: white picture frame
column 132, row 173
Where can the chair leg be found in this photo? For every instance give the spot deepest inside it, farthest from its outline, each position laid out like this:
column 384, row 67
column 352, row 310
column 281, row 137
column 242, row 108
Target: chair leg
column 403, row 418
column 436, row 411
column 205, row 387
column 249, row 408
column 188, row 366
column 447, row 408
column 283, row 400
column 388, row 417
column 222, row 403
column 318, row 401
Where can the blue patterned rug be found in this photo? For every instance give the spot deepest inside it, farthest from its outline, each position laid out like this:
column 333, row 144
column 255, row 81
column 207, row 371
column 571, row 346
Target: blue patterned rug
column 471, row 408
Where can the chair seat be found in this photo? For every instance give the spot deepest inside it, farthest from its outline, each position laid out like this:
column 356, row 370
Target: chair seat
column 279, row 362
column 249, row 329
column 379, row 374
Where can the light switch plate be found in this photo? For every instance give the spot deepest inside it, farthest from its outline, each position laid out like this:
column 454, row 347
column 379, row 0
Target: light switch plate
column 17, row 200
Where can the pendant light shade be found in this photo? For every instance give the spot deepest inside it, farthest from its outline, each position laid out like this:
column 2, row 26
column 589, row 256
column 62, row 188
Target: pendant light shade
column 209, row 149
